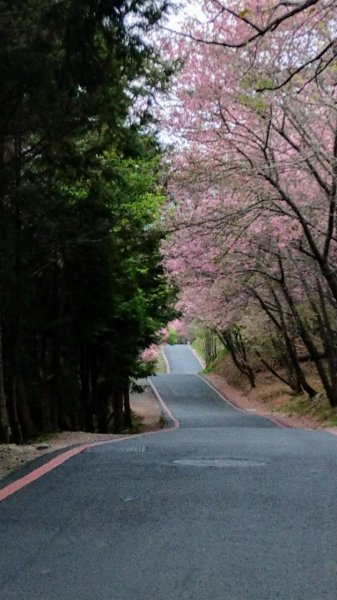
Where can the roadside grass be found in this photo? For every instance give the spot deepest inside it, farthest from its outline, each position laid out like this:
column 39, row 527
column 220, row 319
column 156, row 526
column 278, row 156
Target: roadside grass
column 318, row 408
column 160, row 364
column 198, row 346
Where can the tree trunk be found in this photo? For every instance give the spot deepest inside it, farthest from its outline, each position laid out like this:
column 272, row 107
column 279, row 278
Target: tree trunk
column 312, row 349
column 13, row 395
column 235, row 344
column 117, row 406
column 294, row 367
column 49, row 404
column 209, row 344
column 86, row 405
column 329, row 339
column 5, row 430
column 25, row 417
column 127, row 409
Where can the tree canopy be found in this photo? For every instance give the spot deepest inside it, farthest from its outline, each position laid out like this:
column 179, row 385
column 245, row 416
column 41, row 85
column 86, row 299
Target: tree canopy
column 254, row 180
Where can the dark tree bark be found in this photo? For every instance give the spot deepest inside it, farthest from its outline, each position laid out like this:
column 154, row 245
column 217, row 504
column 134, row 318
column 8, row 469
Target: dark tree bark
column 127, row 409
column 13, row 396
column 117, row 409
column 49, row 396
column 286, row 349
column 315, row 353
column 210, row 349
column 29, row 429
column 5, row 429
column 235, row 344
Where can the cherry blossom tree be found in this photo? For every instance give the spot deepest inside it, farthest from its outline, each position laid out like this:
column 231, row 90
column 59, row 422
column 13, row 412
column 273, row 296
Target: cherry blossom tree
column 253, row 180
column 304, row 32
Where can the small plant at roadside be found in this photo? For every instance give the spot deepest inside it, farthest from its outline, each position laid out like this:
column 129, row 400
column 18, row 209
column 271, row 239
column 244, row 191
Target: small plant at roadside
column 172, row 337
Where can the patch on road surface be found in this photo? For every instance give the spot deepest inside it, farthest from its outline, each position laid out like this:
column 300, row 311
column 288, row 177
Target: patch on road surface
column 218, row 462
column 130, row 449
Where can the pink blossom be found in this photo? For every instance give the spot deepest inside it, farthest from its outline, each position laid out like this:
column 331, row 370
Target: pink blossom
column 150, row 354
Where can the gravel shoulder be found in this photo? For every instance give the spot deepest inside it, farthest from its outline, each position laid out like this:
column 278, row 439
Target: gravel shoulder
column 144, row 405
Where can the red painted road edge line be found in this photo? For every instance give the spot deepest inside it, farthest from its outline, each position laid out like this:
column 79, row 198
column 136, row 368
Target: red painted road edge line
column 40, row 471
column 55, row 462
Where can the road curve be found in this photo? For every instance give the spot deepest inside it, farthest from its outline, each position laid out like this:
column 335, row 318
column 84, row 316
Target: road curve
column 229, row 506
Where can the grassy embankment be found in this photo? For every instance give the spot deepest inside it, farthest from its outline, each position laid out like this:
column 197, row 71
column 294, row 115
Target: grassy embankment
column 197, row 345
column 273, row 393
column 160, row 364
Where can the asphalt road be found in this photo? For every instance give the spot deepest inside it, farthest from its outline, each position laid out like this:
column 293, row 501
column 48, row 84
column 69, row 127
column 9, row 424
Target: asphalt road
column 227, row 507
column 181, row 360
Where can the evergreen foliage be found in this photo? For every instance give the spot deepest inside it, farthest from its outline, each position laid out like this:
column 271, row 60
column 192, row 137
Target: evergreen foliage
column 82, row 290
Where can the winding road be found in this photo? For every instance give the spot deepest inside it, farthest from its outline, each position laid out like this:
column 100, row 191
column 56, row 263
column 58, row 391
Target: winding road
column 226, row 506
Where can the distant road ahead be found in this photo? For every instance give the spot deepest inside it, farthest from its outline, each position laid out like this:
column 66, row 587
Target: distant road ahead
column 181, row 359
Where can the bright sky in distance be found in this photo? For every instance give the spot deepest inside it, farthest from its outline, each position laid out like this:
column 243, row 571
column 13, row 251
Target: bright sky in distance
column 189, row 8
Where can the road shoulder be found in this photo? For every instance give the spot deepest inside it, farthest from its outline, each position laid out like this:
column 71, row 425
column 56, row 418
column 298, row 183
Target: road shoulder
column 14, row 458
